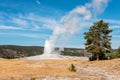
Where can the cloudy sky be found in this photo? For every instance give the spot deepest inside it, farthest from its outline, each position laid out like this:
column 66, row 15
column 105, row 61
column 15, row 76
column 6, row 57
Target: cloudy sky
column 31, row 22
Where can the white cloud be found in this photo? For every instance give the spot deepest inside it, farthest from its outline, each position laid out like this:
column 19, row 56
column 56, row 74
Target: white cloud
column 116, row 36
column 10, row 27
column 115, row 26
column 24, row 22
column 29, row 35
column 112, row 21
column 20, row 21
column 82, row 10
column 99, row 5
column 36, row 27
column 47, row 22
column 28, row 22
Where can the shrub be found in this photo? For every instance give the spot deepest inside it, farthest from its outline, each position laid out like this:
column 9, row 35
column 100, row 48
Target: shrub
column 116, row 54
column 33, row 78
column 72, row 68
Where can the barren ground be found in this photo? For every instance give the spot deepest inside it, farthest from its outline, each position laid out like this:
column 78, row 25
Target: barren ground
column 58, row 70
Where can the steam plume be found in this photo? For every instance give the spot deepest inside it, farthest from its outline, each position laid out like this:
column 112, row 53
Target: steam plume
column 72, row 21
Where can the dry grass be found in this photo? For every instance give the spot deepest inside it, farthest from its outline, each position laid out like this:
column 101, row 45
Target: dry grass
column 58, row 69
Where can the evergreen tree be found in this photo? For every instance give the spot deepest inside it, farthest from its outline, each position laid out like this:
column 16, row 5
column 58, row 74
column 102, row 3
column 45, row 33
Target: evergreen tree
column 98, row 39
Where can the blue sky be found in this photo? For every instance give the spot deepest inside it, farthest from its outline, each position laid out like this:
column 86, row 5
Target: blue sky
column 31, row 22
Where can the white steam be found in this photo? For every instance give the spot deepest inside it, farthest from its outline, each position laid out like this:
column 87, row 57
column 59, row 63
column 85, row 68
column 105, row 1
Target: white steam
column 99, row 5
column 71, row 22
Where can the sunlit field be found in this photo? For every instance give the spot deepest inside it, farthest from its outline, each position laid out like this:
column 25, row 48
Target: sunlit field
column 58, row 70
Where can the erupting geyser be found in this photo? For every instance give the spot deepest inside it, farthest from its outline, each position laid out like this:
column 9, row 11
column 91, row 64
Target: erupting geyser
column 48, row 47
column 68, row 25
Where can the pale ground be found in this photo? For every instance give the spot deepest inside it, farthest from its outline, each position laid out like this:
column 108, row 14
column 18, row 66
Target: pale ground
column 58, row 69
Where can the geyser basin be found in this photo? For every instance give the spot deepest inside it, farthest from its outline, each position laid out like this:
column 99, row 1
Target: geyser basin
column 54, row 57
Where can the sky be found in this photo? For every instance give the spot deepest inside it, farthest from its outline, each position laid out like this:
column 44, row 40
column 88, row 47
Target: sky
column 32, row 22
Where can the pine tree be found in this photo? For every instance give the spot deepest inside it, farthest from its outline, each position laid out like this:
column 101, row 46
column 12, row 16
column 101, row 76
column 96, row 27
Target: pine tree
column 98, row 39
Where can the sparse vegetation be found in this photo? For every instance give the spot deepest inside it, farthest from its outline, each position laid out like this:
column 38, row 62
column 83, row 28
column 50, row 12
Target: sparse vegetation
column 72, row 68
column 58, row 69
column 33, row 78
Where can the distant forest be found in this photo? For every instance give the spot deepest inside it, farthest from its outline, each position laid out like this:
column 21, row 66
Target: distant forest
column 14, row 51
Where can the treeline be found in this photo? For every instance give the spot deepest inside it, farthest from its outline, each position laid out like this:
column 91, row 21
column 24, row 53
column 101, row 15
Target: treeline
column 75, row 52
column 13, row 51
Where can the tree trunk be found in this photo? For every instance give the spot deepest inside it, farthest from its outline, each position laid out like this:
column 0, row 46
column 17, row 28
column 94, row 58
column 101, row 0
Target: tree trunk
column 97, row 56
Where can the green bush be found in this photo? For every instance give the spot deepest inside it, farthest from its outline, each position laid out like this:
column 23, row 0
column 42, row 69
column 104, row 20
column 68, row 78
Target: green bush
column 72, row 68
column 116, row 55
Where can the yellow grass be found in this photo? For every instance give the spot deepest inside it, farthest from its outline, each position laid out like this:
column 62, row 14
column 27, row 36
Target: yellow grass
column 57, row 69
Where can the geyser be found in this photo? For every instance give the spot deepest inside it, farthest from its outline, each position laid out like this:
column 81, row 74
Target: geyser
column 48, row 47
